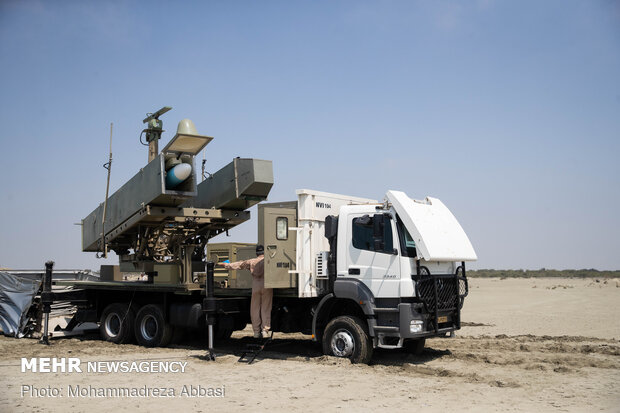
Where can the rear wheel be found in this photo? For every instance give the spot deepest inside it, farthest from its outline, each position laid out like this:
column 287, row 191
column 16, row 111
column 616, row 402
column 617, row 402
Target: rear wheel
column 151, row 328
column 346, row 337
column 116, row 323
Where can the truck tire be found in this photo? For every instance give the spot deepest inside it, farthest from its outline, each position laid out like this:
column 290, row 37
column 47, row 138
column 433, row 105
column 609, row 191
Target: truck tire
column 346, row 337
column 151, row 328
column 415, row 346
column 116, row 323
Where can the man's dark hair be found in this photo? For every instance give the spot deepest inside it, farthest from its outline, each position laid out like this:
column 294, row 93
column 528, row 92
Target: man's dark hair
column 260, row 250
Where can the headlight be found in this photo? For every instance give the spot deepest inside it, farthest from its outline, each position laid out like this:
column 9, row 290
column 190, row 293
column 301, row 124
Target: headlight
column 416, row 326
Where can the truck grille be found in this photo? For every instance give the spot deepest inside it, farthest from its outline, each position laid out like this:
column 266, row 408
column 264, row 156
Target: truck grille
column 442, row 292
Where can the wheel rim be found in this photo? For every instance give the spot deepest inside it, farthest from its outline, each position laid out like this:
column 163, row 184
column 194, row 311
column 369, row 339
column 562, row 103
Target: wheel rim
column 343, row 343
column 149, row 327
column 112, row 325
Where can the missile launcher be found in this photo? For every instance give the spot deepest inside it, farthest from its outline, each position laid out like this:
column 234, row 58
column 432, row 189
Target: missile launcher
column 163, row 216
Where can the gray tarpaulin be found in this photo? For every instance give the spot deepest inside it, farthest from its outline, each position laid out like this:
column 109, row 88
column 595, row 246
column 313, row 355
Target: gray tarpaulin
column 16, row 295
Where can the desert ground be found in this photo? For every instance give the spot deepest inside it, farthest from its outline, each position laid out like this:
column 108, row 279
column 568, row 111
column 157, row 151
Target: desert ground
column 526, row 345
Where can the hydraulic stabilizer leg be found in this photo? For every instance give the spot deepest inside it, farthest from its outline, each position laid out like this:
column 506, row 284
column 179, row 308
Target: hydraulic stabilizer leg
column 46, row 300
column 210, row 308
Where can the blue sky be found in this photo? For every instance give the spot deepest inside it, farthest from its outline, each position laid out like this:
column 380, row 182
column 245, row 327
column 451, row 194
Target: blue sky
column 509, row 112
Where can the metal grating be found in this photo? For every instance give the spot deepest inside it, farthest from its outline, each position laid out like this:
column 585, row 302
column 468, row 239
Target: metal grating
column 441, row 292
column 463, row 289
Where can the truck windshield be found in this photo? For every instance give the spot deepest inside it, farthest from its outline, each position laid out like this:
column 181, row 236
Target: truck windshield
column 406, row 241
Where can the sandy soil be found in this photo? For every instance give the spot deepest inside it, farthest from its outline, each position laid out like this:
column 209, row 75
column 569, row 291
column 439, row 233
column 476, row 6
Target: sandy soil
column 526, row 345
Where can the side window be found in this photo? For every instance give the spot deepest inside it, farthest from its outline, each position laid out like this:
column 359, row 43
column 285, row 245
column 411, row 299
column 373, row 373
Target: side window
column 282, row 228
column 407, row 244
column 362, row 234
column 364, row 231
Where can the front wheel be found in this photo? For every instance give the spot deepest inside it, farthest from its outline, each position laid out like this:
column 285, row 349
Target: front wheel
column 346, row 337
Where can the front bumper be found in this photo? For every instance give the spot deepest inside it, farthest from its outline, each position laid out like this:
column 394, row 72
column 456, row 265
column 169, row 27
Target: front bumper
column 437, row 308
column 447, row 321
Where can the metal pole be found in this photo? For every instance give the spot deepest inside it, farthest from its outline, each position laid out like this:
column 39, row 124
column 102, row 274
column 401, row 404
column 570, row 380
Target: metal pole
column 46, row 300
column 210, row 307
column 153, row 149
column 107, row 166
column 204, row 161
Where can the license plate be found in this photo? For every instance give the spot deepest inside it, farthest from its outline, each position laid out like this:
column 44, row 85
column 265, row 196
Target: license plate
column 442, row 319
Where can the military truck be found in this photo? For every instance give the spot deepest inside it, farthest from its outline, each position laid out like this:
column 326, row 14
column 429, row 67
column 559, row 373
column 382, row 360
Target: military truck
column 353, row 273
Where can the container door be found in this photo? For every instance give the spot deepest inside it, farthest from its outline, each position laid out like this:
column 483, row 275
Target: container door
column 280, row 245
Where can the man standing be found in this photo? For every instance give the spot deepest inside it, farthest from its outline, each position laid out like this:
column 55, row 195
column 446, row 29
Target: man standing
column 260, row 306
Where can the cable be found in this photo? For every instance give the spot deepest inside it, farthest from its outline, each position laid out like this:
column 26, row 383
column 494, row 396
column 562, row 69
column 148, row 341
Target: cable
column 140, row 138
column 128, row 307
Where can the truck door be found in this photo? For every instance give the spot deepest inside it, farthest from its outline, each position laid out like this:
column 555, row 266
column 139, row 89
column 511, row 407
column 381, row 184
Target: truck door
column 280, row 245
column 373, row 253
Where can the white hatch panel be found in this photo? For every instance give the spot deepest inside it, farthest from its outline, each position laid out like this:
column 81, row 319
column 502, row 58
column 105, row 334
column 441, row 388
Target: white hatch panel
column 437, row 234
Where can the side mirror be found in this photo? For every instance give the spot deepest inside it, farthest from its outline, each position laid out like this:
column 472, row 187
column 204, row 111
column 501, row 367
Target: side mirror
column 331, row 226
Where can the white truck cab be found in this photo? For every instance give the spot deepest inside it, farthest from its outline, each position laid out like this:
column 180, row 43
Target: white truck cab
column 378, row 247
column 402, row 262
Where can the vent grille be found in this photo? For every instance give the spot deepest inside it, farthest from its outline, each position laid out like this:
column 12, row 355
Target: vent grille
column 321, row 265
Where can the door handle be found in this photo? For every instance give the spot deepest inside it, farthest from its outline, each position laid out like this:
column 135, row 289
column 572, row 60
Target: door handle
column 354, row 271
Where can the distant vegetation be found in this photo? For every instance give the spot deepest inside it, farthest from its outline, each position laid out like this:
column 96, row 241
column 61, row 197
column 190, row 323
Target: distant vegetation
column 543, row 272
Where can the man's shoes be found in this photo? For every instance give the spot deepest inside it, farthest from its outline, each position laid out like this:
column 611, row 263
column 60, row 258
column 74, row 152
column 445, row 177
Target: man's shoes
column 263, row 334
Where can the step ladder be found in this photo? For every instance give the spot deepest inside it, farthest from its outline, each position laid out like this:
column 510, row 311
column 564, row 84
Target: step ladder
column 252, row 350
